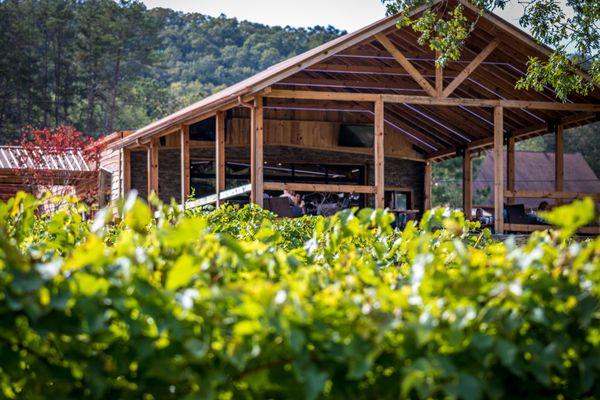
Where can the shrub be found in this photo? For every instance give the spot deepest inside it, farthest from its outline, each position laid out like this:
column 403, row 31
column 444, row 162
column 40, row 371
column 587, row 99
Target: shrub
column 229, row 304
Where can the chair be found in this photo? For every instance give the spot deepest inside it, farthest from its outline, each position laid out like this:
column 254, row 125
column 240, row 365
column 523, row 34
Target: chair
column 515, row 214
column 280, row 206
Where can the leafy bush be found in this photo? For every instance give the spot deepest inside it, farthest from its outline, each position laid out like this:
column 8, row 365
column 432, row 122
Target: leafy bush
column 229, row 304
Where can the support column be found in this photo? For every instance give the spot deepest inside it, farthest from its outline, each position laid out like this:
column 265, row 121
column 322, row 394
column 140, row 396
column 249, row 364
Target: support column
column 126, row 172
column 379, row 155
column 220, row 155
column 499, row 169
column 256, row 152
column 153, row 167
column 185, row 163
column 467, row 184
column 559, row 160
column 510, row 168
column 428, row 175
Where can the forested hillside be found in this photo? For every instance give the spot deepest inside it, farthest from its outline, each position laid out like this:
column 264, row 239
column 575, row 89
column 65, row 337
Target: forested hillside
column 104, row 66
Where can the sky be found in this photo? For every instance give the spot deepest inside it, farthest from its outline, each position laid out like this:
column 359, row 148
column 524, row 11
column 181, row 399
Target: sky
column 348, row 15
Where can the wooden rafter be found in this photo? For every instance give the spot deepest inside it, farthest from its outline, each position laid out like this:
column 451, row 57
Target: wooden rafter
column 406, row 64
column 464, row 74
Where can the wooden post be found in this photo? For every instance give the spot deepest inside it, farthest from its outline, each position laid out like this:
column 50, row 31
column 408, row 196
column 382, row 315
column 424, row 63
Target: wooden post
column 153, row 167
column 220, row 154
column 185, row 163
column 510, row 168
column 379, row 155
column 499, row 169
column 256, row 152
column 126, row 171
column 428, row 175
column 467, row 184
column 559, row 160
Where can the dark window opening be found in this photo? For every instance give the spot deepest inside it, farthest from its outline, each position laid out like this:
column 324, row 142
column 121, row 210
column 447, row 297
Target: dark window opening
column 356, row 135
column 204, row 130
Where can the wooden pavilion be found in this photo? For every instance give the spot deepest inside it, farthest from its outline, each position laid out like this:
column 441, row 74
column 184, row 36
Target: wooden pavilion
column 302, row 110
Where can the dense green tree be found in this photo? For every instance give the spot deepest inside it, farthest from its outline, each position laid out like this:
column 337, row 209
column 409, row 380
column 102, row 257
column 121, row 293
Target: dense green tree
column 104, row 65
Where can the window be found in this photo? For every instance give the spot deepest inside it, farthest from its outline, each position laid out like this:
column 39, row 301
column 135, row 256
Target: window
column 356, row 136
column 104, row 189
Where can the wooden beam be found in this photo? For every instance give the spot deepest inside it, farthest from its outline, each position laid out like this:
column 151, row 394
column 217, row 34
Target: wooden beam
column 491, row 103
column 467, row 184
column 464, row 74
column 584, row 230
column 184, row 138
column 327, row 96
column 432, row 101
column 510, row 166
column 439, row 77
column 153, row 167
column 220, row 165
column 428, row 176
column 126, row 171
column 317, row 187
column 379, row 154
column 256, row 151
column 406, row 64
column 498, row 169
column 529, row 194
column 559, row 159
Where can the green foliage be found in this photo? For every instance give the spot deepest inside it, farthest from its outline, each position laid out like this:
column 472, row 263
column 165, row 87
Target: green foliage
column 222, row 304
column 104, row 65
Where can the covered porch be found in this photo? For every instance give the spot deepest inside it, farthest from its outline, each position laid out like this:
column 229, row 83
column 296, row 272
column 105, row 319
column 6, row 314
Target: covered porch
column 373, row 100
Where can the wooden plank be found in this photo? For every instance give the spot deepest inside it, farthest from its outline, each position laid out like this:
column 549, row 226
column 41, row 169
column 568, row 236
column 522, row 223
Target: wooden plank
column 126, row 171
column 439, row 77
column 428, row 176
column 585, row 230
column 224, row 195
column 318, row 187
column 464, row 74
column 433, row 101
column 559, row 159
column 220, row 165
column 256, row 151
column 529, row 194
column 499, row 169
column 379, row 154
column 406, row 64
column 184, row 138
column 491, row 103
column 467, row 184
column 510, row 167
column 328, row 96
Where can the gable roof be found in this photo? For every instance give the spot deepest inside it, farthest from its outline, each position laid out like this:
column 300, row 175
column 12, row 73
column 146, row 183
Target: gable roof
column 366, row 67
column 534, row 171
column 261, row 80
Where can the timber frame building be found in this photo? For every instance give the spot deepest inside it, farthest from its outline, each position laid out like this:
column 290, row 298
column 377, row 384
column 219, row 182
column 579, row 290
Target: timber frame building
column 298, row 111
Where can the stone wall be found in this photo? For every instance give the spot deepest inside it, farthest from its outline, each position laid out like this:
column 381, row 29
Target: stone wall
column 398, row 172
